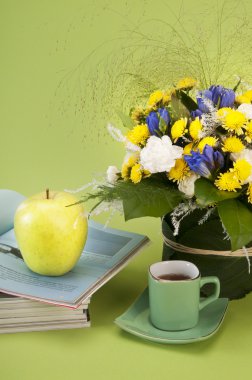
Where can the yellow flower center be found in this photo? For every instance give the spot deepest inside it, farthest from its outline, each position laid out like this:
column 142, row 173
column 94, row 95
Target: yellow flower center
column 179, row 171
column 139, row 134
column 136, row 173
column 234, row 121
column 179, row 129
column 195, row 128
column 227, row 181
column 211, row 141
column 233, row 145
column 242, row 169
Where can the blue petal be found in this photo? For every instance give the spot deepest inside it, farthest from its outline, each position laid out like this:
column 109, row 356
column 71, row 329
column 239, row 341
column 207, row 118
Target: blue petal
column 165, row 115
column 153, row 123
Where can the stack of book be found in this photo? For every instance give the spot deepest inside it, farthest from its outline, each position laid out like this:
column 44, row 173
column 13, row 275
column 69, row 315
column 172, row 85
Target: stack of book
column 30, row 302
column 20, row 314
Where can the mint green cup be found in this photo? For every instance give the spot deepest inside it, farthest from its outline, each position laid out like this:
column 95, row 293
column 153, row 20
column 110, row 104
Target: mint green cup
column 175, row 303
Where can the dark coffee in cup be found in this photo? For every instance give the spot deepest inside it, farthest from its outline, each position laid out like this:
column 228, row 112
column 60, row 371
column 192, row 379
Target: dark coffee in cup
column 174, row 277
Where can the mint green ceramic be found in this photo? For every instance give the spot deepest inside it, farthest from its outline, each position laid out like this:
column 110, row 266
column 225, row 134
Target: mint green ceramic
column 136, row 321
column 175, row 305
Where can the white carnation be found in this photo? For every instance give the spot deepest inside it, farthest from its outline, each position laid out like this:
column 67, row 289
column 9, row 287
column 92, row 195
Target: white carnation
column 159, row 155
column 112, row 174
column 186, row 186
column 246, row 109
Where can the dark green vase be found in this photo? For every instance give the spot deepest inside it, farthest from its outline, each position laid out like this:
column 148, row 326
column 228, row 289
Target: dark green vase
column 233, row 272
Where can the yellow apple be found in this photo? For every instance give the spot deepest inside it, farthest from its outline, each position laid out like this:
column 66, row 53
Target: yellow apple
column 50, row 235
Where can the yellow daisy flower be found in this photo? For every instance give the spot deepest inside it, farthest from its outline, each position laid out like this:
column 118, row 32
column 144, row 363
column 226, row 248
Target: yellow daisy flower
column 179, row 171
column 186, row 83
column 139, row 134
column 188, row 148
column 126, row 167
column 155, row 98
column 209, row 140
column 248, row 94
column 249, row 193
column 242, row 99
column 248, row 132
column 179, row 129
column 233, row 145
column 195, row 128
column 227, row 181
column 234, row 121
column 242, row 169
column 136, row 173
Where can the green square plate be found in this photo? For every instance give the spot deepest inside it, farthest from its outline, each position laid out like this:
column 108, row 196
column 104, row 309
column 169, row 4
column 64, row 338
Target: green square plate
column 136, row 321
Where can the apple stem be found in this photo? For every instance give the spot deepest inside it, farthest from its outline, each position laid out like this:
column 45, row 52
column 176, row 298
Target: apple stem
column 47, row 193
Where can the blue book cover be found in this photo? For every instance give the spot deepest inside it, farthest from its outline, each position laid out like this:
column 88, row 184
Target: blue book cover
column 106, row 252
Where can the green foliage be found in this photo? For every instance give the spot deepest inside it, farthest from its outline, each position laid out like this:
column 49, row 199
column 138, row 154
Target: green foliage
column 206, row 193
column 151, row 197
column 237, row 219
column 126, row 120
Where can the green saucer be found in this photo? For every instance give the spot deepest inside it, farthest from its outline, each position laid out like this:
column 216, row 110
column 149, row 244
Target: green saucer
column 136, row 321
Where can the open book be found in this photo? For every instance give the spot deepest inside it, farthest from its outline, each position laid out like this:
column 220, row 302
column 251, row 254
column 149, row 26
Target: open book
column 106, row 252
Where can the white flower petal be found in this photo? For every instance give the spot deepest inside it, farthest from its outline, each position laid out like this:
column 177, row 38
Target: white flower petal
column 159, row 155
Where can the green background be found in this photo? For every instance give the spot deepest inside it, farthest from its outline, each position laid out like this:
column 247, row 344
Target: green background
column 56, row 89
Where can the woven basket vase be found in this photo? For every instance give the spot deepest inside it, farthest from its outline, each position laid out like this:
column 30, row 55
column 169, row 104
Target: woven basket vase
column 211, row 253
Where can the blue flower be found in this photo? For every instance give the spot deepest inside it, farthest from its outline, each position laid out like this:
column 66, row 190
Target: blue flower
column 153, row 120
column 153, row 123
column 196, row 113
column 205, row 163
column 220, row 97
column 164, row 114
column 200, row 100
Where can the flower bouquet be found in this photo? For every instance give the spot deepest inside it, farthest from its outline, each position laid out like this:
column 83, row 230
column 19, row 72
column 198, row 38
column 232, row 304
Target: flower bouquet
column 189, row 161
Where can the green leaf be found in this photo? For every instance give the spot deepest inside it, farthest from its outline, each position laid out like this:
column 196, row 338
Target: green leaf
column 178, row 109
column 237, row 219
column 126, row 120
column 150, row 198
column 206, row 193
column 188, row 102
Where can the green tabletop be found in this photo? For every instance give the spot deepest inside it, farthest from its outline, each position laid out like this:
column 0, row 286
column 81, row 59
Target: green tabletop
column 60, row 65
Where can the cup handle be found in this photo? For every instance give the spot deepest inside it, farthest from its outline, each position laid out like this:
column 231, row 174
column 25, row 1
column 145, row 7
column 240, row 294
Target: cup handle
column 210, row 280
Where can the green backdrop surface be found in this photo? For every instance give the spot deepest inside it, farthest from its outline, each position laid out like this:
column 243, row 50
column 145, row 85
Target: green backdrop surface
column 53, row 135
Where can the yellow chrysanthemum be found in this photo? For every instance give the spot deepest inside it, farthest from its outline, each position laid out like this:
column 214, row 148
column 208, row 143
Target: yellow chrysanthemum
column 227, row 181
column 138, row 114
column 249, row 193
column 248, row 132
column 136, row 173
column 160, row 96
column 195, row 128
column 211, row 141
column 139, row 134
column 248, row 95
column 222, row 112
column 155, row 97
column 167, row 96
column 242, row 99
column 179, row 128
column 186, row 83
column 234, row 121
column 126, row 167
column 187, row 149
column 232, row 144
column 241, row 169
column 179, row 171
